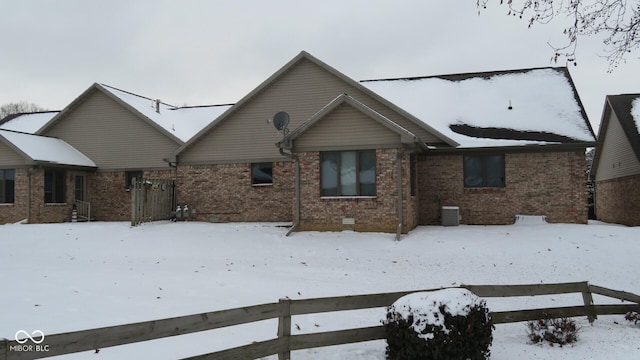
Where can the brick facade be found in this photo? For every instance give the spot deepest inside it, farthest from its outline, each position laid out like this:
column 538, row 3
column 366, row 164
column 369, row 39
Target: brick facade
column 618, row 200
column 109, row 195
column 379, row 213
column 42, row 212
column 11, row 213
column 224, row 193
column 542, row 183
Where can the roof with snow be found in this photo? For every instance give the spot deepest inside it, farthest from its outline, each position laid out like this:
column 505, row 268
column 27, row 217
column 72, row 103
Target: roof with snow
column 494, row 109
column 44, row 149
column 27, row 122
column 181, row 122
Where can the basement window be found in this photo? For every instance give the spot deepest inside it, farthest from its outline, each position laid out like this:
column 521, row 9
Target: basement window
column 262, row 173
column 485, row 171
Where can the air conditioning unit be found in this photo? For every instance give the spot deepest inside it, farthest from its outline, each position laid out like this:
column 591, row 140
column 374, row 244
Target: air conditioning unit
column 450, row 215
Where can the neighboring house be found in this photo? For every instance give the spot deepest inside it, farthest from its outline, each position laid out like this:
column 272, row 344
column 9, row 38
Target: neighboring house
column 616, row 164
column 35, row 172
column 125, row 136
column 387, row 155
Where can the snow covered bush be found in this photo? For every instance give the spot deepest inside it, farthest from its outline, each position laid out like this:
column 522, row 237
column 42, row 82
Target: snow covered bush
column 633, row 317
column 439, row 325
column 554, row 331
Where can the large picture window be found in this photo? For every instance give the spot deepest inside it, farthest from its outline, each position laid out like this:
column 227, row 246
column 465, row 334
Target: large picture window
column 7, row 186
column 54, row 186
column 348, row 173
column 484, row 171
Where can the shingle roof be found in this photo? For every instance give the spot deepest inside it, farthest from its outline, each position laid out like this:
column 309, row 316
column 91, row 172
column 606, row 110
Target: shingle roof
column 38, row 149
column 27, row 122
column 499, row 108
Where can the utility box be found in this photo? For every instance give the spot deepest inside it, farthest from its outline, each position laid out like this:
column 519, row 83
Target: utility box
column 450, row 215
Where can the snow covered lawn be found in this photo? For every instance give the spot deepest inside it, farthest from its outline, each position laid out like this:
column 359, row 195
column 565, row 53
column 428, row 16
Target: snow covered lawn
column 67, row 277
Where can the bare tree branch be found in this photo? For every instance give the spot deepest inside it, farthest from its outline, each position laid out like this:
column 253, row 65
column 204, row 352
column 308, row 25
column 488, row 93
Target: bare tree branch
column 18, row 107
column 617, row 20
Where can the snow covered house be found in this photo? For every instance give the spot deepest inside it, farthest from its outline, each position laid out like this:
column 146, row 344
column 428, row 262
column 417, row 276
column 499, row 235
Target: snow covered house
column 34, row 172
column 616, row 164
column 379, row 155
column 124, row 135
column 387, row 155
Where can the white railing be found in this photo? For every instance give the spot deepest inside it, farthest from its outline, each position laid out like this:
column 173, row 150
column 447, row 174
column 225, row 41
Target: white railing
column 84, row 210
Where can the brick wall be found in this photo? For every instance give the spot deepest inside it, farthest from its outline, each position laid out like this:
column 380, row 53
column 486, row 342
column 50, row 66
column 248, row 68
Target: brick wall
column 371, row 214
column 544, row 183
column 42, row 212
column 10, row 213
column 618, row 200
column 224, row 193
column 108, row 194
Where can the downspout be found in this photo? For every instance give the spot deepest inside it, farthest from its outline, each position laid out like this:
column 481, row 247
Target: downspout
column 29, row 172
column 399, row 158
column 296, row 220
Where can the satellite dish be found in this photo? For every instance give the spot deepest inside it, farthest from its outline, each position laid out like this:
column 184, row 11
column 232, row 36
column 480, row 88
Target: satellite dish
column 281, row 120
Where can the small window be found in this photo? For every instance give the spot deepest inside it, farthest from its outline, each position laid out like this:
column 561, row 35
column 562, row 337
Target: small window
column 7, row 186
column 484, row 171
column 262, row 173
column 54, row 186
column 133, row 175
column 348, row 173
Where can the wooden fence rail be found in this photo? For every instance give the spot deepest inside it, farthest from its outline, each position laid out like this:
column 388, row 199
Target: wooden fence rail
column 285, row 342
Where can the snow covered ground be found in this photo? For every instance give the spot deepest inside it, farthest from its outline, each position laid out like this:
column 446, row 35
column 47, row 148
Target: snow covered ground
column 67, row 277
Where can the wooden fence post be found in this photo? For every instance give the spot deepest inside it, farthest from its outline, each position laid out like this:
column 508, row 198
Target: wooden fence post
column 4, row 349
column 588, row 303
column 134, row 201
column 284, row 327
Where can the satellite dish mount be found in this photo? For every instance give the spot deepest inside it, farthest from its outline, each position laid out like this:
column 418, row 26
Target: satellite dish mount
column 281, row 121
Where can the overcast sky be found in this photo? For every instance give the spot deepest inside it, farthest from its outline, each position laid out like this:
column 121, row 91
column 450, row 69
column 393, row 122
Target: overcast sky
column 216, row 51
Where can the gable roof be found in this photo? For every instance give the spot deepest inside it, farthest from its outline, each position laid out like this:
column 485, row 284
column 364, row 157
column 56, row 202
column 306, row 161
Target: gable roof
column 626, row 107
column 27, row 122
column 38, row 149
column 495, row 109
column 405, row 135
column 177, row 123
column 303, row 55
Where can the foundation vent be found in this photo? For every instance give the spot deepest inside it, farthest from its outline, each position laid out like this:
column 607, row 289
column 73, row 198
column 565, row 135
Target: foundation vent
column 348, row 223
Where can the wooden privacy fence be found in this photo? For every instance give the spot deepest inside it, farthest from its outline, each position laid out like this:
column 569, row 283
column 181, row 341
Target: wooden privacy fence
column 283, row 310
column 151, row 200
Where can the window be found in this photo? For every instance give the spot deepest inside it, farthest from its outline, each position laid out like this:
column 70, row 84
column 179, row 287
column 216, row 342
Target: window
column 7, row 186
column 262, row 173
column 133, row 175
column 54, row 186
column 348, row 173
column 484, row 171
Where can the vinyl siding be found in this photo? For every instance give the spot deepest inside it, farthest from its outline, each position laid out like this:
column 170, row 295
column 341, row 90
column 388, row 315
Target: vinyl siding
column 8, row 157
column 345, row 126
column 617, row 158
column 112, row 136
column 301, row 91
